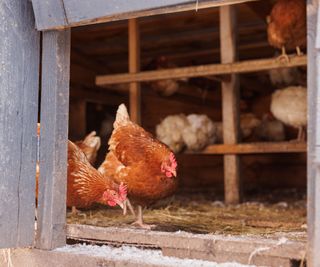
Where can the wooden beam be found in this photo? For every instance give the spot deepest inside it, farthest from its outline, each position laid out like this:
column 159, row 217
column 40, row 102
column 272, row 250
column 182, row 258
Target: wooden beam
column 230, row 105
column 19, row 83
column 53, row 139
column 256, row 148
column 203, row 70
column 134, row 67
column 49, row 14
column 79, row 12
column 313, row 186
column 217, row 248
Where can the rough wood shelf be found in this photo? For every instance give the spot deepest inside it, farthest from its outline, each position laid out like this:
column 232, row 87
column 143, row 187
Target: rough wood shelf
column 203, row 70
column 210, row 247
column 256, row 148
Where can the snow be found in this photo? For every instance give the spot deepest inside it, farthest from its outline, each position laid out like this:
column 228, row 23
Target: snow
column 136, row 255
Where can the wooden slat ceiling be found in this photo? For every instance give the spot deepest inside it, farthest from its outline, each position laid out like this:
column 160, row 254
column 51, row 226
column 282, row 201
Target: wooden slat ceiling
column 187, row 38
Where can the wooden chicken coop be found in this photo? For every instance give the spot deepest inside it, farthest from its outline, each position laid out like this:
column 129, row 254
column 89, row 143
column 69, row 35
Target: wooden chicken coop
column 67, row 63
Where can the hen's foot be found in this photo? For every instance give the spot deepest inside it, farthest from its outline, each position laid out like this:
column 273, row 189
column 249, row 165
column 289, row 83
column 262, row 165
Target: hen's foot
column 75, row 212
column 144, row 225
column 283, row 58
column 139, row 222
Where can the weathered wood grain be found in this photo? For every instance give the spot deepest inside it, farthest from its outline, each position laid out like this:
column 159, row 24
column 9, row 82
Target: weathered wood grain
column 230, row 105
column 134, row 67
column 53, row 139
column 218, row 248
column 19, row 86
column 203, row 70
column 49, row 14
column 313, row 135
column 82, row 12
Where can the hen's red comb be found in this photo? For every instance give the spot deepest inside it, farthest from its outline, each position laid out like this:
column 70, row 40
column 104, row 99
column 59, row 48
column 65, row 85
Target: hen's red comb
column 173, row 160
column 123, row 190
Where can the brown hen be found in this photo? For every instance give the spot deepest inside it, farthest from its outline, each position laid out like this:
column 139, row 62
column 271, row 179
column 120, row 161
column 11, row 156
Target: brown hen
column 137, row 159
column 287, row 26
column 87, row 186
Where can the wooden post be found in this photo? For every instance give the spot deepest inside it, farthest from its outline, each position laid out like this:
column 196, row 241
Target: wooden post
column 51, row 230
column 313, row 133
column 230, row 104
column 19, row 87
column 134, row 67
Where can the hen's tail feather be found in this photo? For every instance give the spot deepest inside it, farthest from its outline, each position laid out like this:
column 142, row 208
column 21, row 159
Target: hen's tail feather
column 122, row 117
column 92, row 140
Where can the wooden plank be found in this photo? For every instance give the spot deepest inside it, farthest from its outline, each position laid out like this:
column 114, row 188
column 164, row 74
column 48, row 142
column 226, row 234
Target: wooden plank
column 313, row 185
column 256, row 148
column 134, row 67
column 53, row 139
column 203, row 70
column 49, row 14
column 19, row 83
column 80, row 257
column 218, row 248
column 83, row 12
column 230, row 105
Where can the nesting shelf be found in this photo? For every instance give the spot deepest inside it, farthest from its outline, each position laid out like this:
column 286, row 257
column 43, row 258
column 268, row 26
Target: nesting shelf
column 203, row 70
column 256, row 148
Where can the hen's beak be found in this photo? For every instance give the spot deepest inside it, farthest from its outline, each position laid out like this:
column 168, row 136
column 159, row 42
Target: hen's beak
column 121, row 204
column 174, row 173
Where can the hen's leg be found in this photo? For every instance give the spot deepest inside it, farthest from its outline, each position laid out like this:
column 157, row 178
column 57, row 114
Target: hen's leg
column 301, row 134
column 76, row 212
column 283, row 57
column 139, row 222
column 299, row 53
column 128, row 203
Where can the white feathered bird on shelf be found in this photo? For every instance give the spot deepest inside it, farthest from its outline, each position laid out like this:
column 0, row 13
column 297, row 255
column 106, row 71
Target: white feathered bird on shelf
column 194, row 132
column 200, row 132
column 289, row 105
column 169, row 131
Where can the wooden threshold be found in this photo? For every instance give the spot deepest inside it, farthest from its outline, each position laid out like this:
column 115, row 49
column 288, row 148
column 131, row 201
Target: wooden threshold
column 256, row 148
column 203, row 70
column 219, row 248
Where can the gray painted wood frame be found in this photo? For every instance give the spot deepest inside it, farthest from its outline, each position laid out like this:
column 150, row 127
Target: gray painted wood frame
column 53, row 139
column 58, row 14
column 19, row 87
column 313, row 133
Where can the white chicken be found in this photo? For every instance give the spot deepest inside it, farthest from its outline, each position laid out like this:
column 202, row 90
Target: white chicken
column 270, row 129
column 169, row 131
column 289, row 105
column 200, row 132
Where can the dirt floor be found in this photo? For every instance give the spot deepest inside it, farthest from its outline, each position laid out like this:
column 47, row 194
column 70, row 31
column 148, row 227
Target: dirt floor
column 259, row 214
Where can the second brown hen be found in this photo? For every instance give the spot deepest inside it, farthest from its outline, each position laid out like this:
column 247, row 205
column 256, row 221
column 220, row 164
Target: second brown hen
column 287, row 26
